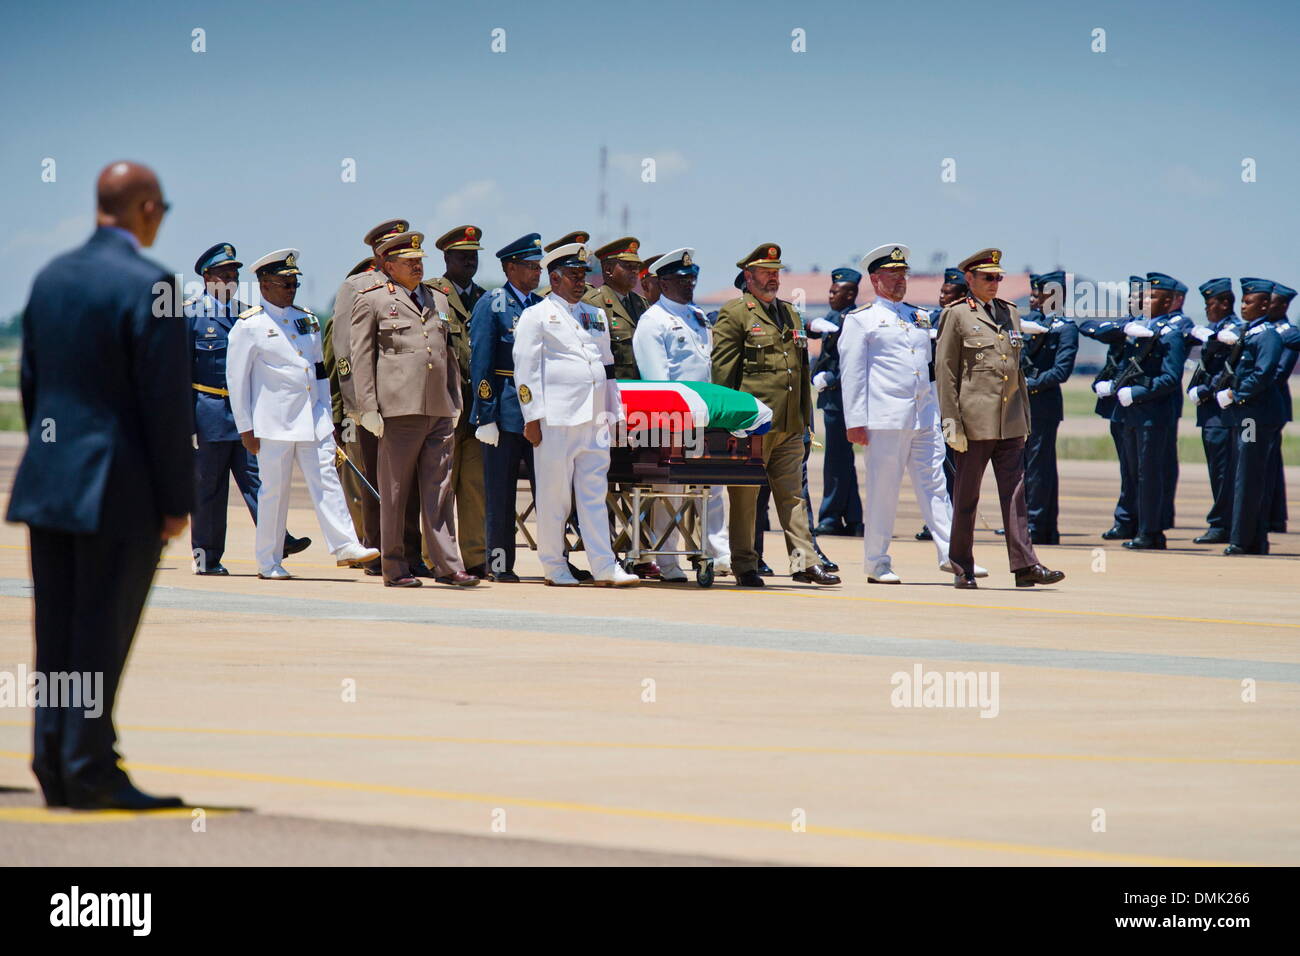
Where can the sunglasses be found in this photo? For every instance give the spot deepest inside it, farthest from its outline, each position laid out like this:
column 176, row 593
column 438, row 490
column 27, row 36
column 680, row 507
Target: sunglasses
column 990, row 276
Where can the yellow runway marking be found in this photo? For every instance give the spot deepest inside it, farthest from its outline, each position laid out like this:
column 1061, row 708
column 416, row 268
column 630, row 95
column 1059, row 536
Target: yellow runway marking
column 46, row 815
column 701, row 748
column 670, row 816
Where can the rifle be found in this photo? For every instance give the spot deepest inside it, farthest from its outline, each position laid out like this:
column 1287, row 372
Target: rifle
column 1228, row 374
column 1132, row 373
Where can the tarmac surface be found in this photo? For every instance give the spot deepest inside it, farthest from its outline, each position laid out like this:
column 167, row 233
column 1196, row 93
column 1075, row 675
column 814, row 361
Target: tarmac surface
column 1142, row 712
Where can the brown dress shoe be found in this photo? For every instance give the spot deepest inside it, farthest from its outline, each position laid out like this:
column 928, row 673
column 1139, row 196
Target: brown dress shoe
column 458, row 579
column 964, row 582
column 1037, row 574
column 406, row 582
column 816, row 575
column 646, row 570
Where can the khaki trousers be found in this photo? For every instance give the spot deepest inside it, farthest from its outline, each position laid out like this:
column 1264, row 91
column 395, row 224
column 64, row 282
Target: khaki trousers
column 416, row 451
column 783, row 458
column 471, row 500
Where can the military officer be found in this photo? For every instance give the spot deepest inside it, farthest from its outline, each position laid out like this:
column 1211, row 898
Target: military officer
column 891, row 409
column 1255, row 403
column 760, row 346
column 649, row 282
column 280, row 399
column 1149, row 370
column 568, row 397
column 460, row 248
column 580, row 236
column 219, row 454
column 408, row 390
column 953, row 289
column 1218, row 432
column 673, row 343
column 984, row 408
column 1290, row 334
column 841, row 506
column 1049, row 360
column 1180, row 321
column 620, row 265
column 495, row 414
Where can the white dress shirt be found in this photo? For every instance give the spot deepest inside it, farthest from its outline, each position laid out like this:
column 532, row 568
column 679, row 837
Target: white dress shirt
column 561, row 351
column 673, row 343
column 271, row 376
column 884, row 367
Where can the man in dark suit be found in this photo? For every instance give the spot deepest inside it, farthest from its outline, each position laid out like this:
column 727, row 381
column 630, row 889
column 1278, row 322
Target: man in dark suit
column 108, row 474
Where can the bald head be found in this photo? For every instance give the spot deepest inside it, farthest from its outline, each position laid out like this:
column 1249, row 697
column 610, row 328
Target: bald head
column 129, row 196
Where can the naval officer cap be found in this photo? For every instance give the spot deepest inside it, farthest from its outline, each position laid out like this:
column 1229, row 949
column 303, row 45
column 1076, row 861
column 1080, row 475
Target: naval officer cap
column 892, row 255
column 386, row 230
column 766, row 255
column 679, row 262
column 954, row 275
column 462, row 237
column 1250, row 286
column 282, row 262
column 572, row 256
column 986, row 260
column 405, row 245
column 1285, row 291
column 1161, row 280
column 579, row 236
column 222, row 254
column 1214, row 287
column 846, row 274
column 524, row 249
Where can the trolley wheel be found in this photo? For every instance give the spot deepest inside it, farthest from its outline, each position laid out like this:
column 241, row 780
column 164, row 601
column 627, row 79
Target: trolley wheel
column 704, row 574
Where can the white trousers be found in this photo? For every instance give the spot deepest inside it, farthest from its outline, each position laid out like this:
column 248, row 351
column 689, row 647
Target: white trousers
column 572, row 467
column 888, row 453
column 717, row 542
column 275, row 465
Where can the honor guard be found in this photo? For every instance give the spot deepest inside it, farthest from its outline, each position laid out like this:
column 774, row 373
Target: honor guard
column 280, row 397
column 984, row 406
column 1180, row 321
column 495, row 413
column 460, row 248
column 408, row 391
column 760, row 346
column 1290, row 334
column 1218, row 431
column 219, row 454
column 1254, row 400
column 568, row 397
column 620, row 266
column 673, row 343
column 1148, row 374
column 1049, row 362
column 841, row 505
column 891, row 409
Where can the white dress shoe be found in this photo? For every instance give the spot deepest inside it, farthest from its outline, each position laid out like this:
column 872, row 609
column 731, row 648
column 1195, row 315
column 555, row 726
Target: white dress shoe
column 670, row 573
column 562, row 580
column 618, row 578
column 722, row 569
column 350, row 555
column 884, row 576
column 277, row 573
column 949, row 569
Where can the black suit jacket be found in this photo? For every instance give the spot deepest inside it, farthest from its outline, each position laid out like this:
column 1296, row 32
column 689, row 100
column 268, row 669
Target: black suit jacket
column 106, row 395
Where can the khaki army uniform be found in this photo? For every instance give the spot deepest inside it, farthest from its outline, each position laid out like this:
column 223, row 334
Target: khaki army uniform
column 622, row 325
column 977, row 371
column 768, row 359
column 467, row 461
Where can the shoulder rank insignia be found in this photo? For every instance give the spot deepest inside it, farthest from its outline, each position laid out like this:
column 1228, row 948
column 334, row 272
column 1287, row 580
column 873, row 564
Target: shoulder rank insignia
column 371, row 288
column 344, row 367
column 249, row 313
column 525, row 395
column 484, row 389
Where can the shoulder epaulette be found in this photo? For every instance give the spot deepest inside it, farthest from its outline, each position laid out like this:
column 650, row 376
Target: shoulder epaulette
column 248, row 313
column 303, row 308
column 440, row 283
column 861, row 308
column 379, row 284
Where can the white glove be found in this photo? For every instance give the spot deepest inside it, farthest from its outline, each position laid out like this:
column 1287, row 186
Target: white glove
column 1104, row 389
column 823, row 326
column 934, row 334
column 488, row 434
column 1228, row 337
column 1201, row 334
column 373, row 422
column 1125, row 396
column 1224, row 398
column 821, row 380
column 1197, row 394
column 1032, row 327
column 1136, row 330
column 958, row 443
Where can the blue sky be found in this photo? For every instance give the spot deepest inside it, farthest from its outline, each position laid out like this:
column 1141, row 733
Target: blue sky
column 1110, row 163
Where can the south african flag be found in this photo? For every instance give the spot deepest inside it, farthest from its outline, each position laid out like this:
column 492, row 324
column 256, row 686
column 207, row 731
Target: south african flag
column 685, row 406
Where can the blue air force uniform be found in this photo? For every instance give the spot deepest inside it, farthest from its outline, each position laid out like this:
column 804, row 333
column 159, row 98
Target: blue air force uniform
column 1180, row 322
column 1218, row 432
column 1049, row 363
column 841, row 505
column 496, row 403
column 1255, row 403
column 1290, row 334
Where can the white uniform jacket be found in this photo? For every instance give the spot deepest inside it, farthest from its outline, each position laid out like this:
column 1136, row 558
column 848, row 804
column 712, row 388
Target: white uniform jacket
column 561, row 352
column 884, row 367
column 673, row 343
column 271, row 371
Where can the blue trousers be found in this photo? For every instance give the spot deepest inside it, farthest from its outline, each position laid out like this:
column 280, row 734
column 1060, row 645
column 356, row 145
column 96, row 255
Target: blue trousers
column 501, row 467
column 214, row 464
column 1042, row 489
column 1126, row 503
column 1252, row 488
column 1171, row 474
column 1147, row 447
column 1277, row 516
column 1220, row 443
column 840, row 499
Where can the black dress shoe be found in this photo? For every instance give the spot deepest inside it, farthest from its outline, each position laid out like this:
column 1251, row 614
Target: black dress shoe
column 374, row 568
column 816, row 575
column 406, row 582
column 1213, row 536
column 855, row 530
column 828, row 527
column 1118, row 533
column 479, row 571
column 829, row 565
column 421, row 570
column 217, row 569
column 764, row 570
column 583, row 577
column 125, row 796
column 924, row 534
column 460, row 579
column 506, row 577
column 750, row 579
column 1233, row 550
column 294, row 545
column 1147, row 542
column 1037, row 574
column 964, row 582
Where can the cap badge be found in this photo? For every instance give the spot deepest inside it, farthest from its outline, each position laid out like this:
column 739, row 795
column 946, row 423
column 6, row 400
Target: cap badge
column 771, row 252
column 997, row 257
column 470, row 232
column 897, row 254
column 229, row 250
column 633, row 246
column 415, row 242
column 291, row 261
column 582, row 254
column 686, row 258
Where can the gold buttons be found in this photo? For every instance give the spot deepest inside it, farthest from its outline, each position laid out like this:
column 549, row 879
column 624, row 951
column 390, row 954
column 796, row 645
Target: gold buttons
column 430, row 365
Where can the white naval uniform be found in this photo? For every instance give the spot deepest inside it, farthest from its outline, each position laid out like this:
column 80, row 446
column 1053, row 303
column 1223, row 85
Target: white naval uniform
column 560, row 353
column 673, row 343
column 885, row 381
column 274, row 392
